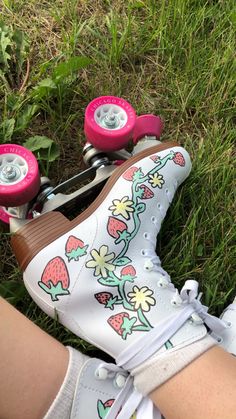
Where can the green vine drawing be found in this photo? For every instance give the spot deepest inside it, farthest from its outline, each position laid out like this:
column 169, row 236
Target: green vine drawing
column 139, row 300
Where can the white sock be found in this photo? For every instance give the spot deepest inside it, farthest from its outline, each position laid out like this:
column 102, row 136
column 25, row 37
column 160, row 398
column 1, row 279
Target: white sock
column 162, row 366
column 62, row 404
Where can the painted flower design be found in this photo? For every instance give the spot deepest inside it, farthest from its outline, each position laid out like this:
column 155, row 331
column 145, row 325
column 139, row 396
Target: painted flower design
column 101, row 261
column 156, row 180
column 122, row 207
column 141, row 298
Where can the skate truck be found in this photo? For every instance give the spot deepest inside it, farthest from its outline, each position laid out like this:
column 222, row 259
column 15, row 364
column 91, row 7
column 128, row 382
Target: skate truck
column 110, row 125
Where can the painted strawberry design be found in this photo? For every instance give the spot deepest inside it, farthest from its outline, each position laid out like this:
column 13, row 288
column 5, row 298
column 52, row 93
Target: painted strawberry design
column 147, row 193
column 55, row 278
column 128, row 273
column 179, row 159
column 103, row 297
column 122, row 324
column 75, row 248
column 155, row 158
column 107, row 299
column 114, row 225
column 128, row 175
column 103, row 408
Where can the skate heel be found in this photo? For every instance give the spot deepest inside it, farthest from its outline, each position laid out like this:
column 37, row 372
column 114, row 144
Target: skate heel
column 37, row 234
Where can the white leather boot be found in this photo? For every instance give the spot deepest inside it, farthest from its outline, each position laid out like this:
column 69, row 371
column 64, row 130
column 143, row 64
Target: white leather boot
column 227, row 338
column 103, row 273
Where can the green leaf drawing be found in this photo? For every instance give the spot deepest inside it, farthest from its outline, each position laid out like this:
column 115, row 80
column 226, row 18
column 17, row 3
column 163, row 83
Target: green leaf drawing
column 140, row 207
column 123, row 261
column 112, row 282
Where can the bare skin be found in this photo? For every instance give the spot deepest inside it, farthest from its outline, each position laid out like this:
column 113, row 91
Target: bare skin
column 206, row 388
column 33, row 366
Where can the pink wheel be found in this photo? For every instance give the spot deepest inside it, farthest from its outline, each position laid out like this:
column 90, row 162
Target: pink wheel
column 19, row 175
column 109, row 123
column 7, row 213
column 147, row 125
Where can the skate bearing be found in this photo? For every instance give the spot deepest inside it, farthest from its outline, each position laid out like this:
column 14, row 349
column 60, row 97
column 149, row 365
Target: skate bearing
column 19, row 175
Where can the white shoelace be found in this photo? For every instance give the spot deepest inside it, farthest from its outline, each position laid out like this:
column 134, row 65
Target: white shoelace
column 149, row 344
column 128, row 397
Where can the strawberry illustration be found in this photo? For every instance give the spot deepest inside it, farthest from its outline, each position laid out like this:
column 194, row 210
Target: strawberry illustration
column 116, row 322
column 75, row 248
column 122, row 324
column 103, row 297
column 179, row 159
column 155, row 158
column 147, row 193
column 128, row 273
column 114, row 225
column 103, row 408
column 55, row 278
column 128, row 175
column 109, row 403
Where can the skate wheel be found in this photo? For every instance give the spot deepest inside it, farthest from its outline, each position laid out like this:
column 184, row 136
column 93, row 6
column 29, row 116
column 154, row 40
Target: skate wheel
column 7, row 213
column 109, row 123
column 147, row 125
column 19, row 175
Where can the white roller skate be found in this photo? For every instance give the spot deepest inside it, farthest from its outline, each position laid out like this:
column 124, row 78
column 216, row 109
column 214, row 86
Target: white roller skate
column 99, row 274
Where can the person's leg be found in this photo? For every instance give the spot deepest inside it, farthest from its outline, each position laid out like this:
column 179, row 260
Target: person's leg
column 40, row 378
column 32, row 365
column 206, row 388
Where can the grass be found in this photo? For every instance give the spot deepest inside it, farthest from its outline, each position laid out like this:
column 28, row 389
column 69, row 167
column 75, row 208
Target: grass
column 174, row 58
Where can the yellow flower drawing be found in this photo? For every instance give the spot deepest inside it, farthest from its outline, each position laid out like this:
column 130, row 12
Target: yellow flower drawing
column 141, row 298
column 101, row 261
column 122, row 207
column 156, row 180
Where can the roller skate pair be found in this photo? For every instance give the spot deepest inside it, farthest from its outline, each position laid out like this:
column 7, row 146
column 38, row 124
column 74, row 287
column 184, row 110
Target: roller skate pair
column 99, row 273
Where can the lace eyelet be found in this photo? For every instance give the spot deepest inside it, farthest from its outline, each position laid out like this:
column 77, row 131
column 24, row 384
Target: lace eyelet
column 119, row 381
column 159, row 206
column 219, row 340
column 101, row 373
column 145, row 235
column 160, row 284
column 196, row 319
column 143, row 253
column 228, row 325
column 148, row 266
column 153, row 219
column 166, row 190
